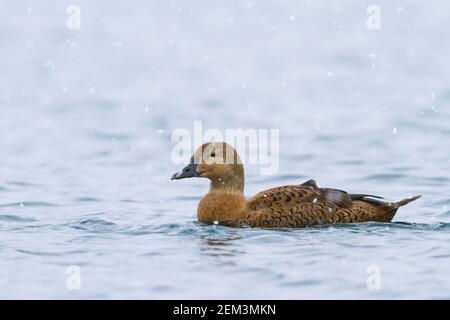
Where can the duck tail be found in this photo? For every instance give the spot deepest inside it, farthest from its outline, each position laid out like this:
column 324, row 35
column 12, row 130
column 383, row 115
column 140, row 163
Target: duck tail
column 405, row 201
column 390, row 209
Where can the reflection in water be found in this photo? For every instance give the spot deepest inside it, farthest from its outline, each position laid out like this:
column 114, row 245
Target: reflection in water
column 223, row 250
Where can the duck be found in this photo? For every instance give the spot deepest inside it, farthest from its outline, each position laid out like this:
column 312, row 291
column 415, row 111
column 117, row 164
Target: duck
column 289, row 206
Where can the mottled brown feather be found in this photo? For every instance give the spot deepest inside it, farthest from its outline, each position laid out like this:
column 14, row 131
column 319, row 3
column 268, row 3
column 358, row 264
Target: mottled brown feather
column 307, row 205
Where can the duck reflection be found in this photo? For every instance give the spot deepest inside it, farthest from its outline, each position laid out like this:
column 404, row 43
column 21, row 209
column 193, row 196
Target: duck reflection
column 223, row 249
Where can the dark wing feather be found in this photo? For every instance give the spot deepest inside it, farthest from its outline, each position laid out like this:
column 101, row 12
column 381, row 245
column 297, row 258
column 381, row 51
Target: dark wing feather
column 310, row 183
column 335, row 196
column 368, row 198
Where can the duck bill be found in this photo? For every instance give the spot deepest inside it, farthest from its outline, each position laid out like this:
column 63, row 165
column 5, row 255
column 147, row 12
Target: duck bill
column 189, row 171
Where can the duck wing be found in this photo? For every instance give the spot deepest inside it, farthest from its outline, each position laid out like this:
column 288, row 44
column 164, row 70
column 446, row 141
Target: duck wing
column 307, row 205
column 293, row 195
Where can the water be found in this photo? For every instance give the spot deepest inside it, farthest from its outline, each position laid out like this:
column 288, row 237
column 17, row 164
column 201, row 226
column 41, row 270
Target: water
column 86, row 118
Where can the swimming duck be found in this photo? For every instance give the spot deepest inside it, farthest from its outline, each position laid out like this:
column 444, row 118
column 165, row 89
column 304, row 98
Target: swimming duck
column 293, row 206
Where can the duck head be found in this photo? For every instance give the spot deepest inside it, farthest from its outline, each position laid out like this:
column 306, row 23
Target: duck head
column 220, row 163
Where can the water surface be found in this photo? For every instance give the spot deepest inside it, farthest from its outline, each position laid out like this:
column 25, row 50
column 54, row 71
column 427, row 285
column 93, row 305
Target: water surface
column 86, row 118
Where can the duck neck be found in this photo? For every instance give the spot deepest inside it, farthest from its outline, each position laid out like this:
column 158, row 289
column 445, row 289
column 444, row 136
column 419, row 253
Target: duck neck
column 235, row 185
column 225, row 202
column 231, row 183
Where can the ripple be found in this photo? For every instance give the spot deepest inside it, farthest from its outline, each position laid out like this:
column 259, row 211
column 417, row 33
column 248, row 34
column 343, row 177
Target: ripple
column 88, row 199
column 187, row 229
column 130, row 201
column 212, row 104
column 21, row 184
column 29, row 204
column 187, row 198
column 351, row 162
column 445, row 214
column 93, row 224
column 325, row 137
column 143, row 230
column 50, row 254
column 293, row 178
column 190, row 228
column 301, row 157
column 301, row 283
column 385, row 177
column 14, row 218
column 273, row 235
column 384, row 226
column 165, row 228
column 442, row 202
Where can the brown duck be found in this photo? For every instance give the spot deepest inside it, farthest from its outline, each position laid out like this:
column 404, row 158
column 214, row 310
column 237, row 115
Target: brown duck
column 288, row 206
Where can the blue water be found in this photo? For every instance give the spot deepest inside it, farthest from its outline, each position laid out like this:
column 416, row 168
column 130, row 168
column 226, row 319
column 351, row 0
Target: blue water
column 86, row 118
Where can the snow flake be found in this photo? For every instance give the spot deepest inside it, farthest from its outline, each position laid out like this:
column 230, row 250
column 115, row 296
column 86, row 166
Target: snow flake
column 49, row 64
